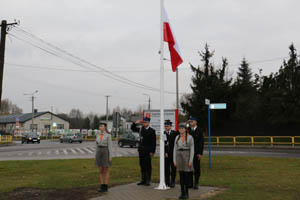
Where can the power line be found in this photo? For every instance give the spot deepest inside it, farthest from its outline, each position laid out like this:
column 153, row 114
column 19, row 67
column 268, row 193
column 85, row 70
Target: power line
column 120, row 78
column 54, row 54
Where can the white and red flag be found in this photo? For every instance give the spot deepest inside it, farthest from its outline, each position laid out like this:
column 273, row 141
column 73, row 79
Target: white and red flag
column 169, row 37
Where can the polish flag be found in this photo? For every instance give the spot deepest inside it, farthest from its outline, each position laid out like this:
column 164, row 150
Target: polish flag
column 169, row 37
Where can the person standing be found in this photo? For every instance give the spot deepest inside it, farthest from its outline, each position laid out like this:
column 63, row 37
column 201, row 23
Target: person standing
column 146, row 149
column 198, row 137
column 170, row 169
column 183, row 155
column 103, row 156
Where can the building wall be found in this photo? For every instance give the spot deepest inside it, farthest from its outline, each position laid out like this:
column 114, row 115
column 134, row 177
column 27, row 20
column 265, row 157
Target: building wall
column 46, row 119
column 40, row 121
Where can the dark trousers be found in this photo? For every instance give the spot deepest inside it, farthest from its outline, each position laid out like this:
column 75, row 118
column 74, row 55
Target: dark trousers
column 170, row 170
column 197, row 170
column 146, row 167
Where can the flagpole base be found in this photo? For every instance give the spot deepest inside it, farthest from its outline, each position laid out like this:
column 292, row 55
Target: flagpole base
column 162, row 186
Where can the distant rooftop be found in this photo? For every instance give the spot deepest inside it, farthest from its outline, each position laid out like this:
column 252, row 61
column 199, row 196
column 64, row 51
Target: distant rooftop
column 6, row 119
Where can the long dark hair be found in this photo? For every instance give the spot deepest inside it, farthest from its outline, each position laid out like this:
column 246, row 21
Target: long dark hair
column 105, row 125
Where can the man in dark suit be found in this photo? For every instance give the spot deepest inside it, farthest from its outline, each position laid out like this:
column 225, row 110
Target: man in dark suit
column 198, row 135
column 170, row 169
column 146, row 148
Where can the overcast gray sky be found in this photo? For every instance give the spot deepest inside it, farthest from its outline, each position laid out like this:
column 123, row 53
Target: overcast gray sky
column 123, row 37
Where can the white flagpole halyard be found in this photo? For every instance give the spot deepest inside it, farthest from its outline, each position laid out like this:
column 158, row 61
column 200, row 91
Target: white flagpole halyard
column 162, row 185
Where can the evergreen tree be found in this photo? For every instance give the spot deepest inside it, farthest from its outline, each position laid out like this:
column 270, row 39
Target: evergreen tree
column 96, row 122
column 87, row 123
column 206, row 83
column 246, row 102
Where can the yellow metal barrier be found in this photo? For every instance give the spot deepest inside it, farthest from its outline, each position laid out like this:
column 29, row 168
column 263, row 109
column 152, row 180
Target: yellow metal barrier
column 5, row 139
column 255, row 140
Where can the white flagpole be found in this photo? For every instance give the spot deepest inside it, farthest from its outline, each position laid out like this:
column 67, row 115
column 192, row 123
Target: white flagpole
column 162, row 185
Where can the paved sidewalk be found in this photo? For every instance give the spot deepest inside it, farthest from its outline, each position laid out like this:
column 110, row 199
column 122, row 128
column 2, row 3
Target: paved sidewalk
column 134, row 192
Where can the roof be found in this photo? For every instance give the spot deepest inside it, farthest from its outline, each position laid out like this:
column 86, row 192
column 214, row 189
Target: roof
column 6, row 119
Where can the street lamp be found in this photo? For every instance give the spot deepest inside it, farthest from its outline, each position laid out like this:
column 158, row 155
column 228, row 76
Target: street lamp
column 148, row 100
column 32, row 99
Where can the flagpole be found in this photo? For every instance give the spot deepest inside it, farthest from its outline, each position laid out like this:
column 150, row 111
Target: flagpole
column 162, row 185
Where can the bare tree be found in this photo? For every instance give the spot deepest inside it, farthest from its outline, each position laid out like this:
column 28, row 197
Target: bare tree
column 7, row 107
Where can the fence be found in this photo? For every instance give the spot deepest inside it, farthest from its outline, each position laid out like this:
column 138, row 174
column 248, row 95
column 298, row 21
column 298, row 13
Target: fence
column 215, row 140
column 254, row 140
column 5, row 139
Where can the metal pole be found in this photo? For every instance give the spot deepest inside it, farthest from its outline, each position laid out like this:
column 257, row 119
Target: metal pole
column 32, row 99
column 107, row 108
column 209, row 138
column 2, row 53
column 149, row 103
column 177, row 90
column 162, row 185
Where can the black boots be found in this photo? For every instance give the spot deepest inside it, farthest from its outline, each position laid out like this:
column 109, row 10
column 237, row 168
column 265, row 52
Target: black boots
column 103, row 188
column 184, row 185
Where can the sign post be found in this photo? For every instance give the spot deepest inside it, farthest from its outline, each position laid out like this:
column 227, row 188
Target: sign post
column 216, row 106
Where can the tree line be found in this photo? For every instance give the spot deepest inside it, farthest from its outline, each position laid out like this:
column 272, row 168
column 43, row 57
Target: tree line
column 256, row 104
column 78, row 120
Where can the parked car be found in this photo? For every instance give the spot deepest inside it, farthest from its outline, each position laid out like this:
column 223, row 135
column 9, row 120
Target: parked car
column 31, row 137
column 71, row 137
column 131, row 139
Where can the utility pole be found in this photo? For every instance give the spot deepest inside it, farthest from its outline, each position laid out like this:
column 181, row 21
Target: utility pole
column 32, row 100
column 107, row 96
column 149, row 101
column 4, row 25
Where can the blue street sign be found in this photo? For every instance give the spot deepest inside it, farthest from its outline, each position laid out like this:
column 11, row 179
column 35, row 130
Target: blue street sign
column 218, row 106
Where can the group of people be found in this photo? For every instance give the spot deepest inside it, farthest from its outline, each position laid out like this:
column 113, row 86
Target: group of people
column 183, row 152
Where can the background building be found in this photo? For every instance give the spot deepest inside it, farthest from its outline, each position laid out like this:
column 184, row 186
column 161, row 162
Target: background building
column 43, row 123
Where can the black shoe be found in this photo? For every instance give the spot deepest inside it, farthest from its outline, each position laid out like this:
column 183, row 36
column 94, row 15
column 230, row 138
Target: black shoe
column 196, row 187
column 182, row 192
column 101, row 189
column 187, row 192
column 172, row 185
column 141, row 183
column 147, row 183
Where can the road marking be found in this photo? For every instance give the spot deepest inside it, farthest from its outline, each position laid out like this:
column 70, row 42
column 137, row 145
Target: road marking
column 57, row 152
column 30, row 153
column 40, row 153
column 80, row 150
column 49, row 152
column 65, row 152
column 20, row 154
column 94, row 148
column 73, row 151
column 89, row 151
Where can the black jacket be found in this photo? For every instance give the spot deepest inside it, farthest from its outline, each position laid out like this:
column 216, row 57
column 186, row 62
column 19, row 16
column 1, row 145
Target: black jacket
column 147, row 139
column 169, row 144
column 198, row 140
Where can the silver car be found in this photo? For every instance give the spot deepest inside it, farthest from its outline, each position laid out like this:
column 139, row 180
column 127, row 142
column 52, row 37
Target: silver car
column 71, row 137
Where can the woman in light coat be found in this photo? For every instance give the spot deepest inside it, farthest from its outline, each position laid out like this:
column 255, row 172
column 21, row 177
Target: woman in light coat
column 103, row 156
column 183, row 158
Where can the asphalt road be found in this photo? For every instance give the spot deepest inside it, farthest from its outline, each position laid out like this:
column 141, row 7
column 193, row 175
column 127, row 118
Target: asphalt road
column 48, row 150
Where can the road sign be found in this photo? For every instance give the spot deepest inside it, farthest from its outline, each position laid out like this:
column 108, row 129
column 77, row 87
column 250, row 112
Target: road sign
column 207, row 101
column 210, row 107
column 17, row 122
column 171, row 115
column 218, row 106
